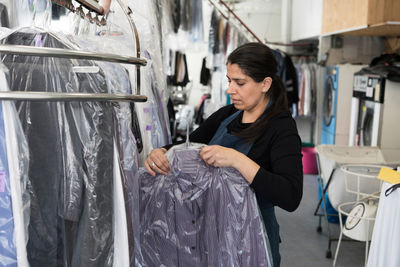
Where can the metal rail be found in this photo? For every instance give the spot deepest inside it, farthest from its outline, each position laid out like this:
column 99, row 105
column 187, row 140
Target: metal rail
column 64, row 53
column 128, row 13
column 52, row 96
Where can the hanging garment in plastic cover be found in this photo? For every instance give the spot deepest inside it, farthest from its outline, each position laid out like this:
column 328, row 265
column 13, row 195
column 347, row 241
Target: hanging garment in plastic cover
column 71, row 156
column 153, row 114
column 14, row 198
column 151, row 124
column 119, row 78
column 200, row 215
column 126, row 194
column 24, row 13
column 127, row 231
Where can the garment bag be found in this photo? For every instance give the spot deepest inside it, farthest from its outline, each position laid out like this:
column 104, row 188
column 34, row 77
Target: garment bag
column 199, row 215
column 126, row 161
column 71, row 156
column 14, row 199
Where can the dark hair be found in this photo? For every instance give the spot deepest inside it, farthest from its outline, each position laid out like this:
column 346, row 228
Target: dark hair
column 257, row 61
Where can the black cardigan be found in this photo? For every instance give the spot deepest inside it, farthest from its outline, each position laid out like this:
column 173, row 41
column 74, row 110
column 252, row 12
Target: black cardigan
column 278, row 151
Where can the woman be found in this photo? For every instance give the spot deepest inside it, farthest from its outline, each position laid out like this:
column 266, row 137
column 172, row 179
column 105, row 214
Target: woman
column 256, row 135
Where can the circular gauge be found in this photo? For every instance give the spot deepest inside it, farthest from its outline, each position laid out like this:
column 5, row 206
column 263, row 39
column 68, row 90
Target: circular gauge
column 354, row 216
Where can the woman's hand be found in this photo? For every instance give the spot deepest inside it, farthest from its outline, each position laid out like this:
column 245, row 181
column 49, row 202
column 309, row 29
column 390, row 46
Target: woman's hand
column 105, row 4
column 157, row 162
column 219, row 156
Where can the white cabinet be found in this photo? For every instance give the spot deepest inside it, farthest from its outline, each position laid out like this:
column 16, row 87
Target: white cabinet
column 306, row 19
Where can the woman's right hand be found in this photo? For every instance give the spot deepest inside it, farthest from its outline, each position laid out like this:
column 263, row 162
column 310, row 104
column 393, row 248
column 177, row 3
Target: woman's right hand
column 157, row 162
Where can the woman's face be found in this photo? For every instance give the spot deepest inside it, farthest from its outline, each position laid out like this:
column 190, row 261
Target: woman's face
column 246, row 94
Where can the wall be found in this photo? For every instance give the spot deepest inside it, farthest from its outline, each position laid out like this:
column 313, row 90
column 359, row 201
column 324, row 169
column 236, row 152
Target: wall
column 306, row 19
column 263, row 17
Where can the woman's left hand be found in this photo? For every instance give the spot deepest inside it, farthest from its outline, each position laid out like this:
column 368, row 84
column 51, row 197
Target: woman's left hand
column 219, row 156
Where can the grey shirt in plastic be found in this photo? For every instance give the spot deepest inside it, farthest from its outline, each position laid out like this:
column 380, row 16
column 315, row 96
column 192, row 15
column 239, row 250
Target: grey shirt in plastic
column 200, row 215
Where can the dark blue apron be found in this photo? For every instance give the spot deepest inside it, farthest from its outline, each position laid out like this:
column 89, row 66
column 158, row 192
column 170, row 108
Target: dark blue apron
column 223, row 138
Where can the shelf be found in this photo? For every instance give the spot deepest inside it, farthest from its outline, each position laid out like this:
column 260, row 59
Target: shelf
column 390, row 28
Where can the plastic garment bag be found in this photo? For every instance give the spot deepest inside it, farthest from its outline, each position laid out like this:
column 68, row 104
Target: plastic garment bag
column 153, row 114
column 385, row 243
column 117, row 76
column 126, row 195
column 126, row 199
column 25, row 13
column 71, row 157
column 14, row 198
column 197, row 29
column 200, row 215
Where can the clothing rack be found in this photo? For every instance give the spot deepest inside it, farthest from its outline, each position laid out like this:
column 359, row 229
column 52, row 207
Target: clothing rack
column 86, row 97
column 74, row 54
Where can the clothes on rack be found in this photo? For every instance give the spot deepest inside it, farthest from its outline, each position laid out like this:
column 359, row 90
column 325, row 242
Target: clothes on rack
column 4, row 20
column 197, row 26
column 184, row 16
column 71, row 193
column 184, row 119
column 153, row 114
column 122, row 248
column 223, row 39
column 213, row 40
column 307, row 90
column 126, row 163
column 180, row 75
column 306, row 69
column 79, row 226
column 200, row 109
column 175, row 12
column 204, row 73
column 187, row 216
column 57, row 11
column 287, row 72
column 24, row 13
column 14, row 199
column 7, row 229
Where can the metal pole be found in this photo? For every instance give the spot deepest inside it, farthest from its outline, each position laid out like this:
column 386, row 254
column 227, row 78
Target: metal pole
column 53, row 96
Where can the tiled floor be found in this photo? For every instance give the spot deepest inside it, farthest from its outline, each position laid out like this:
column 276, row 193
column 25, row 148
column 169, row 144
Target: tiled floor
column 303, row 246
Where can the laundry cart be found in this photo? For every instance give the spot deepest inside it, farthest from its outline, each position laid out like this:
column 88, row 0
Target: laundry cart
column 360, row 214
column 332, row 179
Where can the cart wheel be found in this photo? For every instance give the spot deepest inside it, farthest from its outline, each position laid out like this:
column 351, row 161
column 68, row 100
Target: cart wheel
column 319, row 229
column 328, row 254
